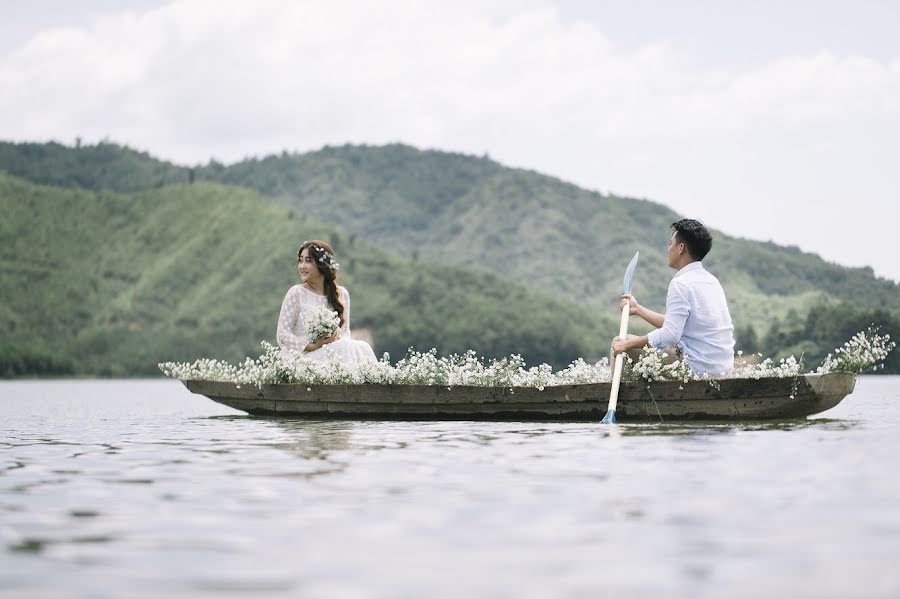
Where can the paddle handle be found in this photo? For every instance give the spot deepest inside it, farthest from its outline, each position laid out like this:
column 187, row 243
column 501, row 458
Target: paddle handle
column 617, row 369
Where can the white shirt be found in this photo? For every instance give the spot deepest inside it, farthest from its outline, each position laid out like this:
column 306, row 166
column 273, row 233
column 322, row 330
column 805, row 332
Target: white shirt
column 697, row 322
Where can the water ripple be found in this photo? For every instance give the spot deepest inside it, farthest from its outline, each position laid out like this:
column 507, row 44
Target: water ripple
column 114, row 486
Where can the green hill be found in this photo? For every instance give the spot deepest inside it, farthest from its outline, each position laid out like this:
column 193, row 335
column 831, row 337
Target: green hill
column 544, row 234
column 441, row 207
column 530, row 227
column 111, row 284
column 100, row 167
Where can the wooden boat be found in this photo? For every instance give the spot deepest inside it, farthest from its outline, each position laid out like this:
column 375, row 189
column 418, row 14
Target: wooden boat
column 731, row 399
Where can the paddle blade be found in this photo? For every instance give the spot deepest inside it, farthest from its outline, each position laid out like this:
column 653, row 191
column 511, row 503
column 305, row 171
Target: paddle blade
column 629, row 272
column 610, row 418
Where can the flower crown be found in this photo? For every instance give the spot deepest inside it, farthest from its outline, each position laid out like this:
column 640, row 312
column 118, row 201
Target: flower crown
column 326, row 258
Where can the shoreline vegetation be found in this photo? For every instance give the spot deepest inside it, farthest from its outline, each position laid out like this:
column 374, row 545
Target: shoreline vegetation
column 864, row 352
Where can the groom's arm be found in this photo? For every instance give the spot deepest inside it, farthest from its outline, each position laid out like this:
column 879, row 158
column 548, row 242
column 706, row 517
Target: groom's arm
column 654, row 318
column 678, row 308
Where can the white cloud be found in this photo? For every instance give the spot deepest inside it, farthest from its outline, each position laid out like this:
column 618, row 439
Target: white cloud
column 198, row 78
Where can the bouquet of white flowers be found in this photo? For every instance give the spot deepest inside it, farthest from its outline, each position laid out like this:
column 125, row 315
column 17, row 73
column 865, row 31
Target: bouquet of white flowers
column 322, row 323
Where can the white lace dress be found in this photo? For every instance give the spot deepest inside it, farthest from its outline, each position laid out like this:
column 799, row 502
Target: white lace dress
column 298, row 304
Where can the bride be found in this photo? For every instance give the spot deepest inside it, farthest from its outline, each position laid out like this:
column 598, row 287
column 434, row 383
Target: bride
column 319, row 289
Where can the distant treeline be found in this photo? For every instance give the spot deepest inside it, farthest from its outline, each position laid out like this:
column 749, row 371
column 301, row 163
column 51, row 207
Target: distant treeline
column 819, row 332
column 25, row 360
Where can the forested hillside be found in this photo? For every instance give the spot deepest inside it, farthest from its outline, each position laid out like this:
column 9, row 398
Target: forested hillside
column 441, row 207
column 540, row 237
column 111, row 284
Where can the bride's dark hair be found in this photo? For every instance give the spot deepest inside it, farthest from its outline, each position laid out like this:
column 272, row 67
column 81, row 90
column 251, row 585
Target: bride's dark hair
column 323, row 257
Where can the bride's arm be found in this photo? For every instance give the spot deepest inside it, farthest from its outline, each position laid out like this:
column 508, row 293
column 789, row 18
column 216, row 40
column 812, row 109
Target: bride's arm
column 345, row 299
column 290, row 312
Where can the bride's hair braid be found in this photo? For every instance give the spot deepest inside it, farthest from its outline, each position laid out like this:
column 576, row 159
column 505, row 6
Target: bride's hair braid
column 323, row 257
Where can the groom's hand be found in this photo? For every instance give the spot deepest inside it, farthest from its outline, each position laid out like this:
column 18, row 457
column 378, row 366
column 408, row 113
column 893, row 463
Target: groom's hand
column 629, row 300
column 619, row 345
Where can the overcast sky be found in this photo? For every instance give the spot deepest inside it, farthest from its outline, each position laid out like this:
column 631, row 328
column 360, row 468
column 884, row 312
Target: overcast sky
column 769, row 120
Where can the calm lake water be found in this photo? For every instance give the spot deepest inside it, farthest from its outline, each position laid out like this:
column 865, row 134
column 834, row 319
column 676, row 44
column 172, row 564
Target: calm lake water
column 141, row 489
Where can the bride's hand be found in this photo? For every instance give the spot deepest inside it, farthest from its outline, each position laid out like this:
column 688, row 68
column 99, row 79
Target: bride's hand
column 323, row 342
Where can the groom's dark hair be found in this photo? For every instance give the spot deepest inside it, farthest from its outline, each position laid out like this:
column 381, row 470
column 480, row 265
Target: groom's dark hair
column 695, row 237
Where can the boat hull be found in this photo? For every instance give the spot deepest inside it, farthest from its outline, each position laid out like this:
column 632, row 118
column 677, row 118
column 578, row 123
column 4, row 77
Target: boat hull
column 730, row 399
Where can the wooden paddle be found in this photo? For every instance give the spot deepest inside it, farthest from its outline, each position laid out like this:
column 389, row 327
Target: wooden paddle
column 610, row 417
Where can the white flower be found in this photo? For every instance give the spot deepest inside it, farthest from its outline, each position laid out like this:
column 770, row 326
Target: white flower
column 322, row 323
column 863, row 352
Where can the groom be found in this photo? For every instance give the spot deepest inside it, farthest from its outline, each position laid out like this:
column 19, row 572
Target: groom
column 697, row 325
